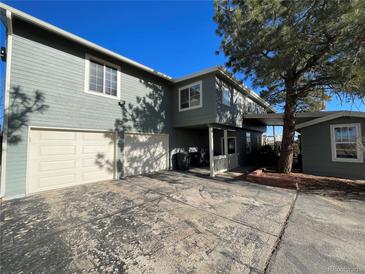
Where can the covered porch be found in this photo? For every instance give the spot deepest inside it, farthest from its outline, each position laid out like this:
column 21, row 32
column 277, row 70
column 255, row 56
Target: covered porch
column 223, row 147
column 225, row 157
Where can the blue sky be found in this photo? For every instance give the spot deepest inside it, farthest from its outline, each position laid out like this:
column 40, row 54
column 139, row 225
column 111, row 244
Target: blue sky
column 175, row 38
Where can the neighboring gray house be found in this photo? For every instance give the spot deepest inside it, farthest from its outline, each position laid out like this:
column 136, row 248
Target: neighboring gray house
column 76, row 112
column 332, row 142
column 334, row 145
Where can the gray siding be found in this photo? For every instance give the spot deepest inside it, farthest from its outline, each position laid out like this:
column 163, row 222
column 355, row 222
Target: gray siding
column 316, row 151
column 233, row 115
column 183, row 138
column 213, row 110
column 199, row 116
column 56, row 68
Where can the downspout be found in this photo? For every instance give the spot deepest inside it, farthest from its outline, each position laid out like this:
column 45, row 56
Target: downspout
column 9, row 43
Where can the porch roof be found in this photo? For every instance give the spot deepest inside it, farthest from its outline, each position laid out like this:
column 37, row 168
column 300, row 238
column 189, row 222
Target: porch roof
column 277, row 119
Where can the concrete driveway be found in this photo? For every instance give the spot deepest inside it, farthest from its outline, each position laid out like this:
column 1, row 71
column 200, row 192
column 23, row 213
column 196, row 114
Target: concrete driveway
column 176, row 223
column 324, row 235
column 166, row 223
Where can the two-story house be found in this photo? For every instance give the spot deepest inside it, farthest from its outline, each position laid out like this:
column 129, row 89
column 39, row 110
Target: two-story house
column 77, row 113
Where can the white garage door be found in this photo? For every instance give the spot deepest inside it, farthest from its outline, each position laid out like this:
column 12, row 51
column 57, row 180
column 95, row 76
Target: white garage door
column 60, row 158
column 145, row 153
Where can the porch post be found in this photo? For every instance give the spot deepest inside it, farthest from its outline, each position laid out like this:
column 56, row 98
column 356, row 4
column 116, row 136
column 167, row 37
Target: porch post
column 225, row 143
column 211, row 152
column 226, row 148
column 273, row 133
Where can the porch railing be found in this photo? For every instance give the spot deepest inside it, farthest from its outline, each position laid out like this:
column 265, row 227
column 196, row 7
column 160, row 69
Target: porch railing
column 223, row 163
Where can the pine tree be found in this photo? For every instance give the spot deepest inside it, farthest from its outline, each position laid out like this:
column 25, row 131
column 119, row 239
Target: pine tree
column 301, row 52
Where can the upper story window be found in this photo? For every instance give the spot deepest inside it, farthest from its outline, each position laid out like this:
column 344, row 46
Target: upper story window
column 190, row 96
column 102, row 78
column 346, row 142
column 249, row 106
column 226, row 96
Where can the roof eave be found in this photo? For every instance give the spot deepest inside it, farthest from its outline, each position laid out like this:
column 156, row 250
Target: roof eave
column 331, row 117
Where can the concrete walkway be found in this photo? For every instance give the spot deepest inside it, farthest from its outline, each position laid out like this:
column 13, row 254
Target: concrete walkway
column 323, row 235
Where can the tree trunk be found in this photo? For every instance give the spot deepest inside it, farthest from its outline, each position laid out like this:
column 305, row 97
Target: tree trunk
column 287, row 144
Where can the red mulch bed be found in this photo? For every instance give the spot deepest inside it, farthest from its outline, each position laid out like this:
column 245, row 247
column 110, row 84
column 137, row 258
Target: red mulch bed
column 330, row 186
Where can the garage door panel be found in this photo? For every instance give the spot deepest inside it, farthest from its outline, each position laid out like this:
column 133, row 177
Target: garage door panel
column 56, row 181
column 64, row 158
column 49, row 135
column 57, row 165
column 94, row 149
column 56, row 173
column 145, row 153
column 88, row 162
column 93, row 175
column 57, row 150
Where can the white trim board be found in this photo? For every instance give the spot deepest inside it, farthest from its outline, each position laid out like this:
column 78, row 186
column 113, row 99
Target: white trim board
column 196, row 74
column 331, row 117
column 6, row 101
column 71, row 129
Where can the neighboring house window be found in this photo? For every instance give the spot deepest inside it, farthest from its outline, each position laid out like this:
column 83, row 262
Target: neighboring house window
column 190, row 96
column 231, row 145
column 346, row 143
column 226, row 96
column 102, row 78
column 248, row 142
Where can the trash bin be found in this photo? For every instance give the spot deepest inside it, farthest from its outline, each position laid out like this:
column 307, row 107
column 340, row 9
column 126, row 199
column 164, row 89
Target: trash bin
column 196, row 159
column 182, row 160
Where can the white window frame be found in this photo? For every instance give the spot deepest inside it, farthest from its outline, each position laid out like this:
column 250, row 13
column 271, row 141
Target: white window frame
column 360, row 157
column 89, row 58
column 201, row 96
column 225, row 89
column 235, row 144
